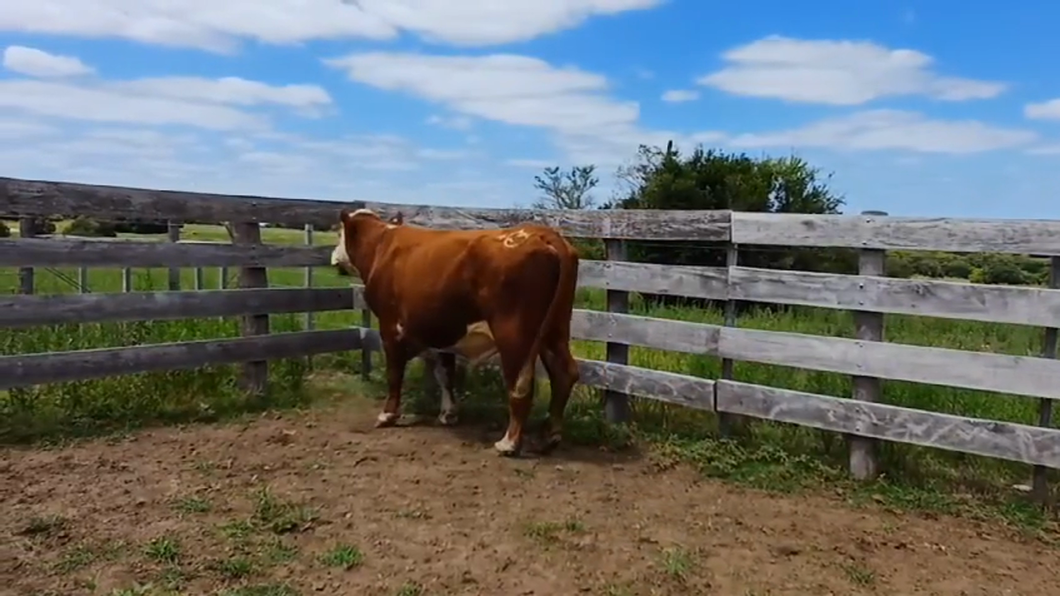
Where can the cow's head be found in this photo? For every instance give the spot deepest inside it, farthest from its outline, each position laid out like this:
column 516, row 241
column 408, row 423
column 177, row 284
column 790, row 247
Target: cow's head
column 353, row 226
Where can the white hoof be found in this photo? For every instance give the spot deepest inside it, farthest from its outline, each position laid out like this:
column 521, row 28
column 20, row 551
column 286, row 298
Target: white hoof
column 447, row 418
column 386, row 419
column 506, row 446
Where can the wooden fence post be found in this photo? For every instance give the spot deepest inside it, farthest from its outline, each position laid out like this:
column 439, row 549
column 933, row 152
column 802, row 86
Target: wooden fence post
column 25, row 274
column 616, row 405
column 222, row 283
column 255, row 374
column 309, row 322
column 126, row 280
column 868, row 326
column 1040, row 479
column 174, row 272
column 366, row 352
column 729, row 423
column 200, row 279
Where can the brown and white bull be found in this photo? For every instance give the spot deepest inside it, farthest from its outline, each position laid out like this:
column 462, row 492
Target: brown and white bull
column 477, row 293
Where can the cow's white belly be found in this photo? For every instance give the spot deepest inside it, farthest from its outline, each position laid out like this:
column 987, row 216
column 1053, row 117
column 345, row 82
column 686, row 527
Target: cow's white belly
column 477, row 345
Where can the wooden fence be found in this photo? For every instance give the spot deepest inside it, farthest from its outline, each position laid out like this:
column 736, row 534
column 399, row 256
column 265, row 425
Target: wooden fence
column 867, row 358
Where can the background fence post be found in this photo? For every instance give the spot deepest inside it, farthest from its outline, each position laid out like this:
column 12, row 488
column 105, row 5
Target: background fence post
column 174, row 272
column 616, row 405
column 82, row 280
column 126, row 280
column 309, row 322
column 728, row 424
column 1040, row 478
column 868, row 326
column 366, row 352
column 255, row 374
column 200, row 279
column 25, row 274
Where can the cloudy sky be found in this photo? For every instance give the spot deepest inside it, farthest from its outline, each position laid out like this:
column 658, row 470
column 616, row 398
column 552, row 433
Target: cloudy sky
column 919, row 108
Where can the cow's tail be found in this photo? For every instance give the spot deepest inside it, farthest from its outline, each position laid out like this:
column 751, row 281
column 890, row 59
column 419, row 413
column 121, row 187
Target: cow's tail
column 566, row 284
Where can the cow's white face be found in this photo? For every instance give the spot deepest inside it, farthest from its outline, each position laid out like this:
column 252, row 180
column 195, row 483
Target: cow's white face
column 339, row 258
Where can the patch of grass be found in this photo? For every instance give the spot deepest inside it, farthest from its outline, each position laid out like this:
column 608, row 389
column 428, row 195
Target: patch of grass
column 281, row 517
column 410, row 588
column 676, row 562
column 549, row 532
column 237, row 530
column 164, row 549
column 343, row 556
column 43, row 525
column 234, row 568
column 79, row 557
column 278, row 552
column 135, row 590
column 859, row 575
column 192, row 504
column 269, row 589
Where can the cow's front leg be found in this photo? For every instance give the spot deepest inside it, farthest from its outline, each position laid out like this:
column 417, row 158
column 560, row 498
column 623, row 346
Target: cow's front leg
column 397, row 357
column 444, row 373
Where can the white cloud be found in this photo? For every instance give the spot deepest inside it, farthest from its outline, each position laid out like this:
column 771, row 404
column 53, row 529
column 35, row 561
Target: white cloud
column 837, row 73
column 220, row 26
column 451, row 122
column 1046, row 110
column 891, row 129
column 534, row 164
column 191, row 101
column 38, row 63
column 1044, row 150
column 501, row 87
column 680, row 95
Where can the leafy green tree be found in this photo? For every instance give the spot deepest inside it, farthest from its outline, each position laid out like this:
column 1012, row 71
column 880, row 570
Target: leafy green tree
column 713, row 179
column 87, row 227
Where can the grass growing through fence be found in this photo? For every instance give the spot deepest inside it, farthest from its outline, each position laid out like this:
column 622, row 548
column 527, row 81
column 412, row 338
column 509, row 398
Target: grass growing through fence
column 771, row 455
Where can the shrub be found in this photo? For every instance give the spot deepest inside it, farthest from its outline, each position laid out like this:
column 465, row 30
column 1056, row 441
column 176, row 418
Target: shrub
column 87, row 227
column 5, row 231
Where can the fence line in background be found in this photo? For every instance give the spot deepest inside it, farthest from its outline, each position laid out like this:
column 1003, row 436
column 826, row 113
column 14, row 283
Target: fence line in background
column 870, row 295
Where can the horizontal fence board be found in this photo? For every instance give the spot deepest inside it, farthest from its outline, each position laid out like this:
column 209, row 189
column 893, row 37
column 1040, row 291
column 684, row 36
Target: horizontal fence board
column 46, row 198
column 954, row 300
column 1016, row 442
column 674, row 388
column 1040, row 237
column 676, row 280
column 54, row 252
column 1020, row 375
column 633, row 330
column 31, row 310
column 55, row 367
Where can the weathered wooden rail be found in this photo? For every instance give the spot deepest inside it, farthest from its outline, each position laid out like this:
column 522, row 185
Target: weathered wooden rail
column 867, row 358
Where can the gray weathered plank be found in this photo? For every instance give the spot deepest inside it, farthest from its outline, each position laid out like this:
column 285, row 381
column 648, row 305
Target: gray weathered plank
column 1019, row 375
column 660, row 334
column 934, row 298
column 37, row 197
column 914, row 233
column 53, row 309
column 1016, row 442
column 676, row 280
column 38, row 252
column 683, row 390
column 55, row 367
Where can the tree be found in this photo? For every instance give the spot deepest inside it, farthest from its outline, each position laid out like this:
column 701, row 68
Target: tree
column 87, row 227
column 712, row 179
column 566, row 190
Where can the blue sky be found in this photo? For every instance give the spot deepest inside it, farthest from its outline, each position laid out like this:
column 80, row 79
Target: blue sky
column 931, row 109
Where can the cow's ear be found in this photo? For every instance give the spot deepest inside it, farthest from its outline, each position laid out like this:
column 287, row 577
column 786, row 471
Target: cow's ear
column 397, row 219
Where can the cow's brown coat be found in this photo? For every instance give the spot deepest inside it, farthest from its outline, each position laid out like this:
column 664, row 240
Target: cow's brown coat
column 429, row 288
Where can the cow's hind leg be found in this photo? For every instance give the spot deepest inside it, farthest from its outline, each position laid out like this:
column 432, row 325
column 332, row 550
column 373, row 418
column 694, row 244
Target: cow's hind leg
column 397, row 358
column 518, row 370
column 562, row 375
column 445, row 374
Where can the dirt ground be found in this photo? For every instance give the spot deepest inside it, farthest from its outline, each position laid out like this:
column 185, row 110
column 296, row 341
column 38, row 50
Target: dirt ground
column 320, row 502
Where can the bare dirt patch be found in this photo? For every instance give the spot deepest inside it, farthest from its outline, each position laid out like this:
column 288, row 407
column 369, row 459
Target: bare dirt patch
column 319, row 502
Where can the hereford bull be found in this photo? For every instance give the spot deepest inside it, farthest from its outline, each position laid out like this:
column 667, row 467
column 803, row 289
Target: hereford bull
column 477, row 293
